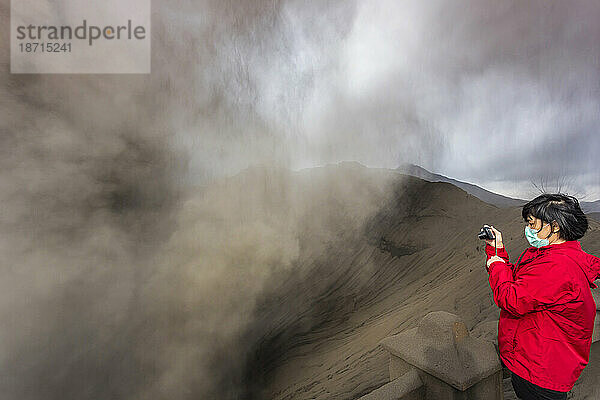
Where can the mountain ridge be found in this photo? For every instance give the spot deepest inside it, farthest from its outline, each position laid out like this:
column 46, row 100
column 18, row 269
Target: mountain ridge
column 592, row 208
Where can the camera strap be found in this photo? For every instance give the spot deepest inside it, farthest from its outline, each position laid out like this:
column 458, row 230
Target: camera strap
column 521, row 256
column 518, row 261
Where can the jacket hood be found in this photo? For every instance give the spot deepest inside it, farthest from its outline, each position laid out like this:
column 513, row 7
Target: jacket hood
column 589, row 264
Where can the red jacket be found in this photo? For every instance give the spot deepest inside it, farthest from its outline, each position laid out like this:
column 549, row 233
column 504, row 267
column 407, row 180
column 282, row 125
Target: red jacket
column 547, row 312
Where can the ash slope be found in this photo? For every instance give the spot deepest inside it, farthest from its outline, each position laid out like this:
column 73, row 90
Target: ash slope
column 316, row 327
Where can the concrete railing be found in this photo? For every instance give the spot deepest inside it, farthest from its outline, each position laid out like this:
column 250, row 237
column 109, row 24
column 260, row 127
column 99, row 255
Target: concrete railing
column 441, row 359
column 406, row 387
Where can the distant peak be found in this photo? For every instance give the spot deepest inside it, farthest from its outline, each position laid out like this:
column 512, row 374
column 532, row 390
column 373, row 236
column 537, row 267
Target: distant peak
column 351, row 164
column 411, row 167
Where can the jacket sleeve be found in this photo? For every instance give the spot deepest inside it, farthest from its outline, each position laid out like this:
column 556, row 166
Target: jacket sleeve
column 538, row 286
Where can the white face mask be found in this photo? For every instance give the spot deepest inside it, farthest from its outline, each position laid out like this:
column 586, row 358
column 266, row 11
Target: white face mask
column 533, row 239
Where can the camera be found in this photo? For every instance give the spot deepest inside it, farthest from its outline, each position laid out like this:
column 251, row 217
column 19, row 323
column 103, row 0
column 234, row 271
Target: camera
column 486, row 233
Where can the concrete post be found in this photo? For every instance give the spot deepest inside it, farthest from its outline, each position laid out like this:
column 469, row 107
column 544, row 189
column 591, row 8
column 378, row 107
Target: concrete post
column 450, row 363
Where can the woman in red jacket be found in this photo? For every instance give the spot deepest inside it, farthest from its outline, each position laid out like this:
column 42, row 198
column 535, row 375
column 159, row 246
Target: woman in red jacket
column 547, row 310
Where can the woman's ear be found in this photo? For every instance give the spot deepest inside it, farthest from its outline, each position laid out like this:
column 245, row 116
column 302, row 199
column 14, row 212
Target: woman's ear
column 555, row 227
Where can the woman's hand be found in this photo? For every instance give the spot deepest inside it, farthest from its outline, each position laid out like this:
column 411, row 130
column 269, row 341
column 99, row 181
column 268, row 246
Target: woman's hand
column 498, row 235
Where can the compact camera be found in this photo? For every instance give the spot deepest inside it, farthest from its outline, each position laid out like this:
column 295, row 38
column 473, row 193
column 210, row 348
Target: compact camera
column 486, row 233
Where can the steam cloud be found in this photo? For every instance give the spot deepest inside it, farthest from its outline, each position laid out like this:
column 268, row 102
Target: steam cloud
column 121, row 279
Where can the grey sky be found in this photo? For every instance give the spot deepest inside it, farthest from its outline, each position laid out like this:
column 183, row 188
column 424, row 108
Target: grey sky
column 494, row 93
column 121, row 271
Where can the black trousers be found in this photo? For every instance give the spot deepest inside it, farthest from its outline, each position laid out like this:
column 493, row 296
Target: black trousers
column 529, row 391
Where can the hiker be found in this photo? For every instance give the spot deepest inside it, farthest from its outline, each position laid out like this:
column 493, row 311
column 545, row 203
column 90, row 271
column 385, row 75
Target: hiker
column 547, row 309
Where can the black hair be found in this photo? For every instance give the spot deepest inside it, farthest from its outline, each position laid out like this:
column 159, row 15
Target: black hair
column 563, row 209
